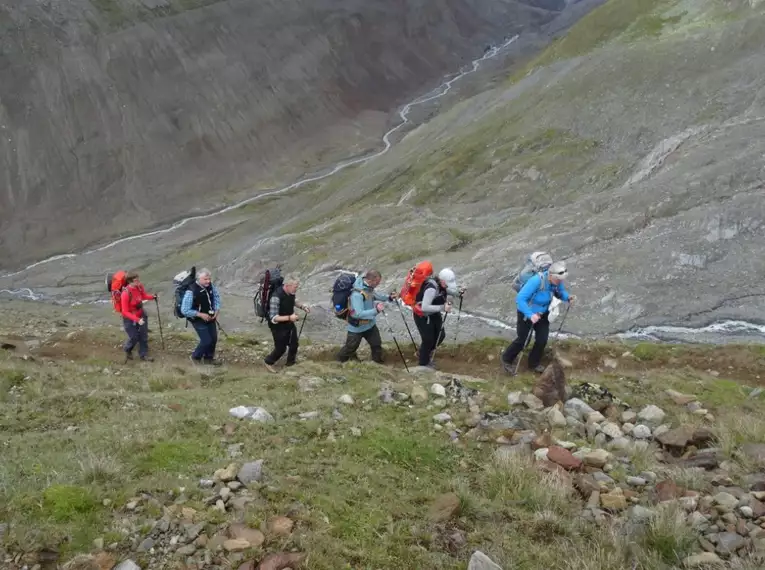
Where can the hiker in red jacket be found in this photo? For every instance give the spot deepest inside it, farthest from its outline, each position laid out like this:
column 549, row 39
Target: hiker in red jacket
column 134, row 318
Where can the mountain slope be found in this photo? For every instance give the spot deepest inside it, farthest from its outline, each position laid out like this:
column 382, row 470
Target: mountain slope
column 119, row 114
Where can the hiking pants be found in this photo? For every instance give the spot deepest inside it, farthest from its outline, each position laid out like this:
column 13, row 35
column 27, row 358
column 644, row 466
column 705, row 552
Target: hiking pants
column 137, row 334
column 284, row 336
column 541, row 332
column 431, row 328
column 353, row 340
column 208, row 338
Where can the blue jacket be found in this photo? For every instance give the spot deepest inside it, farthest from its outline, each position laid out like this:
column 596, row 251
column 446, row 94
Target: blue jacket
column 531, row 299
column 363, row 300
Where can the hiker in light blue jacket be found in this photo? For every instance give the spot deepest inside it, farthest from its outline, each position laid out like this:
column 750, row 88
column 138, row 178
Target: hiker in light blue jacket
column 365, row 305
column 533, row 303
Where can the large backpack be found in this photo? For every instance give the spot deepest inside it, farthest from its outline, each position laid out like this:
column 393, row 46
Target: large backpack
column 269, row 282
column 182, row 282
column 414, row 280
column 536, row 263
column 115, row 283
column 341, row 295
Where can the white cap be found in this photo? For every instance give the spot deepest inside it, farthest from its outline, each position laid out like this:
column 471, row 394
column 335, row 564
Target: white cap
column 558, row 269
column 447, row 275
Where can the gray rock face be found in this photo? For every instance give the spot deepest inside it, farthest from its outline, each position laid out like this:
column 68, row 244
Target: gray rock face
column 479, row 561
column 148, row 122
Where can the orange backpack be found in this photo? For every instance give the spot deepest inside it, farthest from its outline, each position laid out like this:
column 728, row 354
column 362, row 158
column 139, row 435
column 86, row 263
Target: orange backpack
column 417, row 276
column 115, row 283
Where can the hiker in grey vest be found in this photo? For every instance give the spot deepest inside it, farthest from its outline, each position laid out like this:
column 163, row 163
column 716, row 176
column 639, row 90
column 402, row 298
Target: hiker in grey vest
column 533, row 304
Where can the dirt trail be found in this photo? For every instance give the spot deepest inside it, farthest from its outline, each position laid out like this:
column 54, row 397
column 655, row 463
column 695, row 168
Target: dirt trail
column 741, row 363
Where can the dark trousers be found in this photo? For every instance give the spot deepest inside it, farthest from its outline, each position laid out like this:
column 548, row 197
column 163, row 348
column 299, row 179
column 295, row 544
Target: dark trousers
column 431, row 328
column 137, row 334
column 285, row 336
column 208, row 339
column 353, row 340
column 541, row 332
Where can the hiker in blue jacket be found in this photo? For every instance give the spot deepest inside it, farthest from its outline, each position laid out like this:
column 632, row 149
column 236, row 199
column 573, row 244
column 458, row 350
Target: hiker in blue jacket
column 365, row 305
column 533, row 303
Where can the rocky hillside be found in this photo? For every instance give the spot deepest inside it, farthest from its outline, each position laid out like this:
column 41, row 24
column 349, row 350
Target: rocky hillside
column 121, row 114
column 654, row 461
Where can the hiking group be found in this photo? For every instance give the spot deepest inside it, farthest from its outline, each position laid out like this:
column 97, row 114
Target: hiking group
column 355, row 301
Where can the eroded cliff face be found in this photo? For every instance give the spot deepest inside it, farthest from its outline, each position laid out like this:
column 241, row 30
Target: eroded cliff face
column 117, row 115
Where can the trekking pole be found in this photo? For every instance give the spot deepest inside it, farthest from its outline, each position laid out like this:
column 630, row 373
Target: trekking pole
column 390, row 329
column 563, row 320
column 414, row 344
column 220, row 328
column 302, row 325
column 457, row 327
column 526, row 344
column 159, row 320
column 441, row 330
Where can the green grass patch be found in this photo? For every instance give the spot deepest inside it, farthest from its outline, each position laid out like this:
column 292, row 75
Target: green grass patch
column 67, row 502
column 172, row 457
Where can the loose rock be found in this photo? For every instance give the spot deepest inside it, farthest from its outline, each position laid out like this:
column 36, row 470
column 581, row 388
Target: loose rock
column 597, row 458
column 438, row 390
column 445, row 507
column 702, row 560
column 280, row 526
column 346, row 399
column 652, row 414
column 479, row 561
column 127, row 565
column 236, row 545
column 564, row 458
column 419, row 395
column 641, row 431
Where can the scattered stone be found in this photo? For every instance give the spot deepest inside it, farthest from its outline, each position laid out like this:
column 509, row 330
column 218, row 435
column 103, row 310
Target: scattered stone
column 356, row 432
column 236, row 545
column 225, row 493
column 234, row 485
column 127, row 565
column 146, row 545
column 595, row 418
column 610, row 363
column 602, row 478
column 438, row 390
column 479, row 561
column 586, row 484
column 346, row 399
column 641, row 431
column 514, row 399
column 611, row 430
column 419, row 394
column 564, row 458
column 730, row 542
column 697, row 520
column 280, row 526
column 442, row 418
column 652, row 414
column 98, row 543
column 702, row 560
column 532, row 402
column 636, row 482
column 309, row 415
column 707, row 461
column 628, row 417
column 638, row 513
column 445, row 507
column 577, row 408
column 621, row 444
column 680, row 399
column 541, row 454
column 725, row 500
column 227, row 474
column 206, row 483
column 281, row 561
column 597, row 458
column 649, row 476
column 746, row 512
column 556, row 418
column 614, row 501
column 667, row 490
column 193, row 530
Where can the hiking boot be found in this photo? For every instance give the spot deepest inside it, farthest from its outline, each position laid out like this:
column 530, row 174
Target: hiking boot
column 538, row 369
column 508, row 367
column 270, row 367
column 211, row 362
column 195, row 360
column 147, row 359
column 128, row 356
column 290, row 363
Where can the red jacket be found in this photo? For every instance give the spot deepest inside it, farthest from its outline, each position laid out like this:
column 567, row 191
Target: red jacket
column 132, row 301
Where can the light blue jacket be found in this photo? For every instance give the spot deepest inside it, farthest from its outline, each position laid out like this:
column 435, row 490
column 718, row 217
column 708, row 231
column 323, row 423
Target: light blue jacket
column 532, row 299
column 363, row 300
